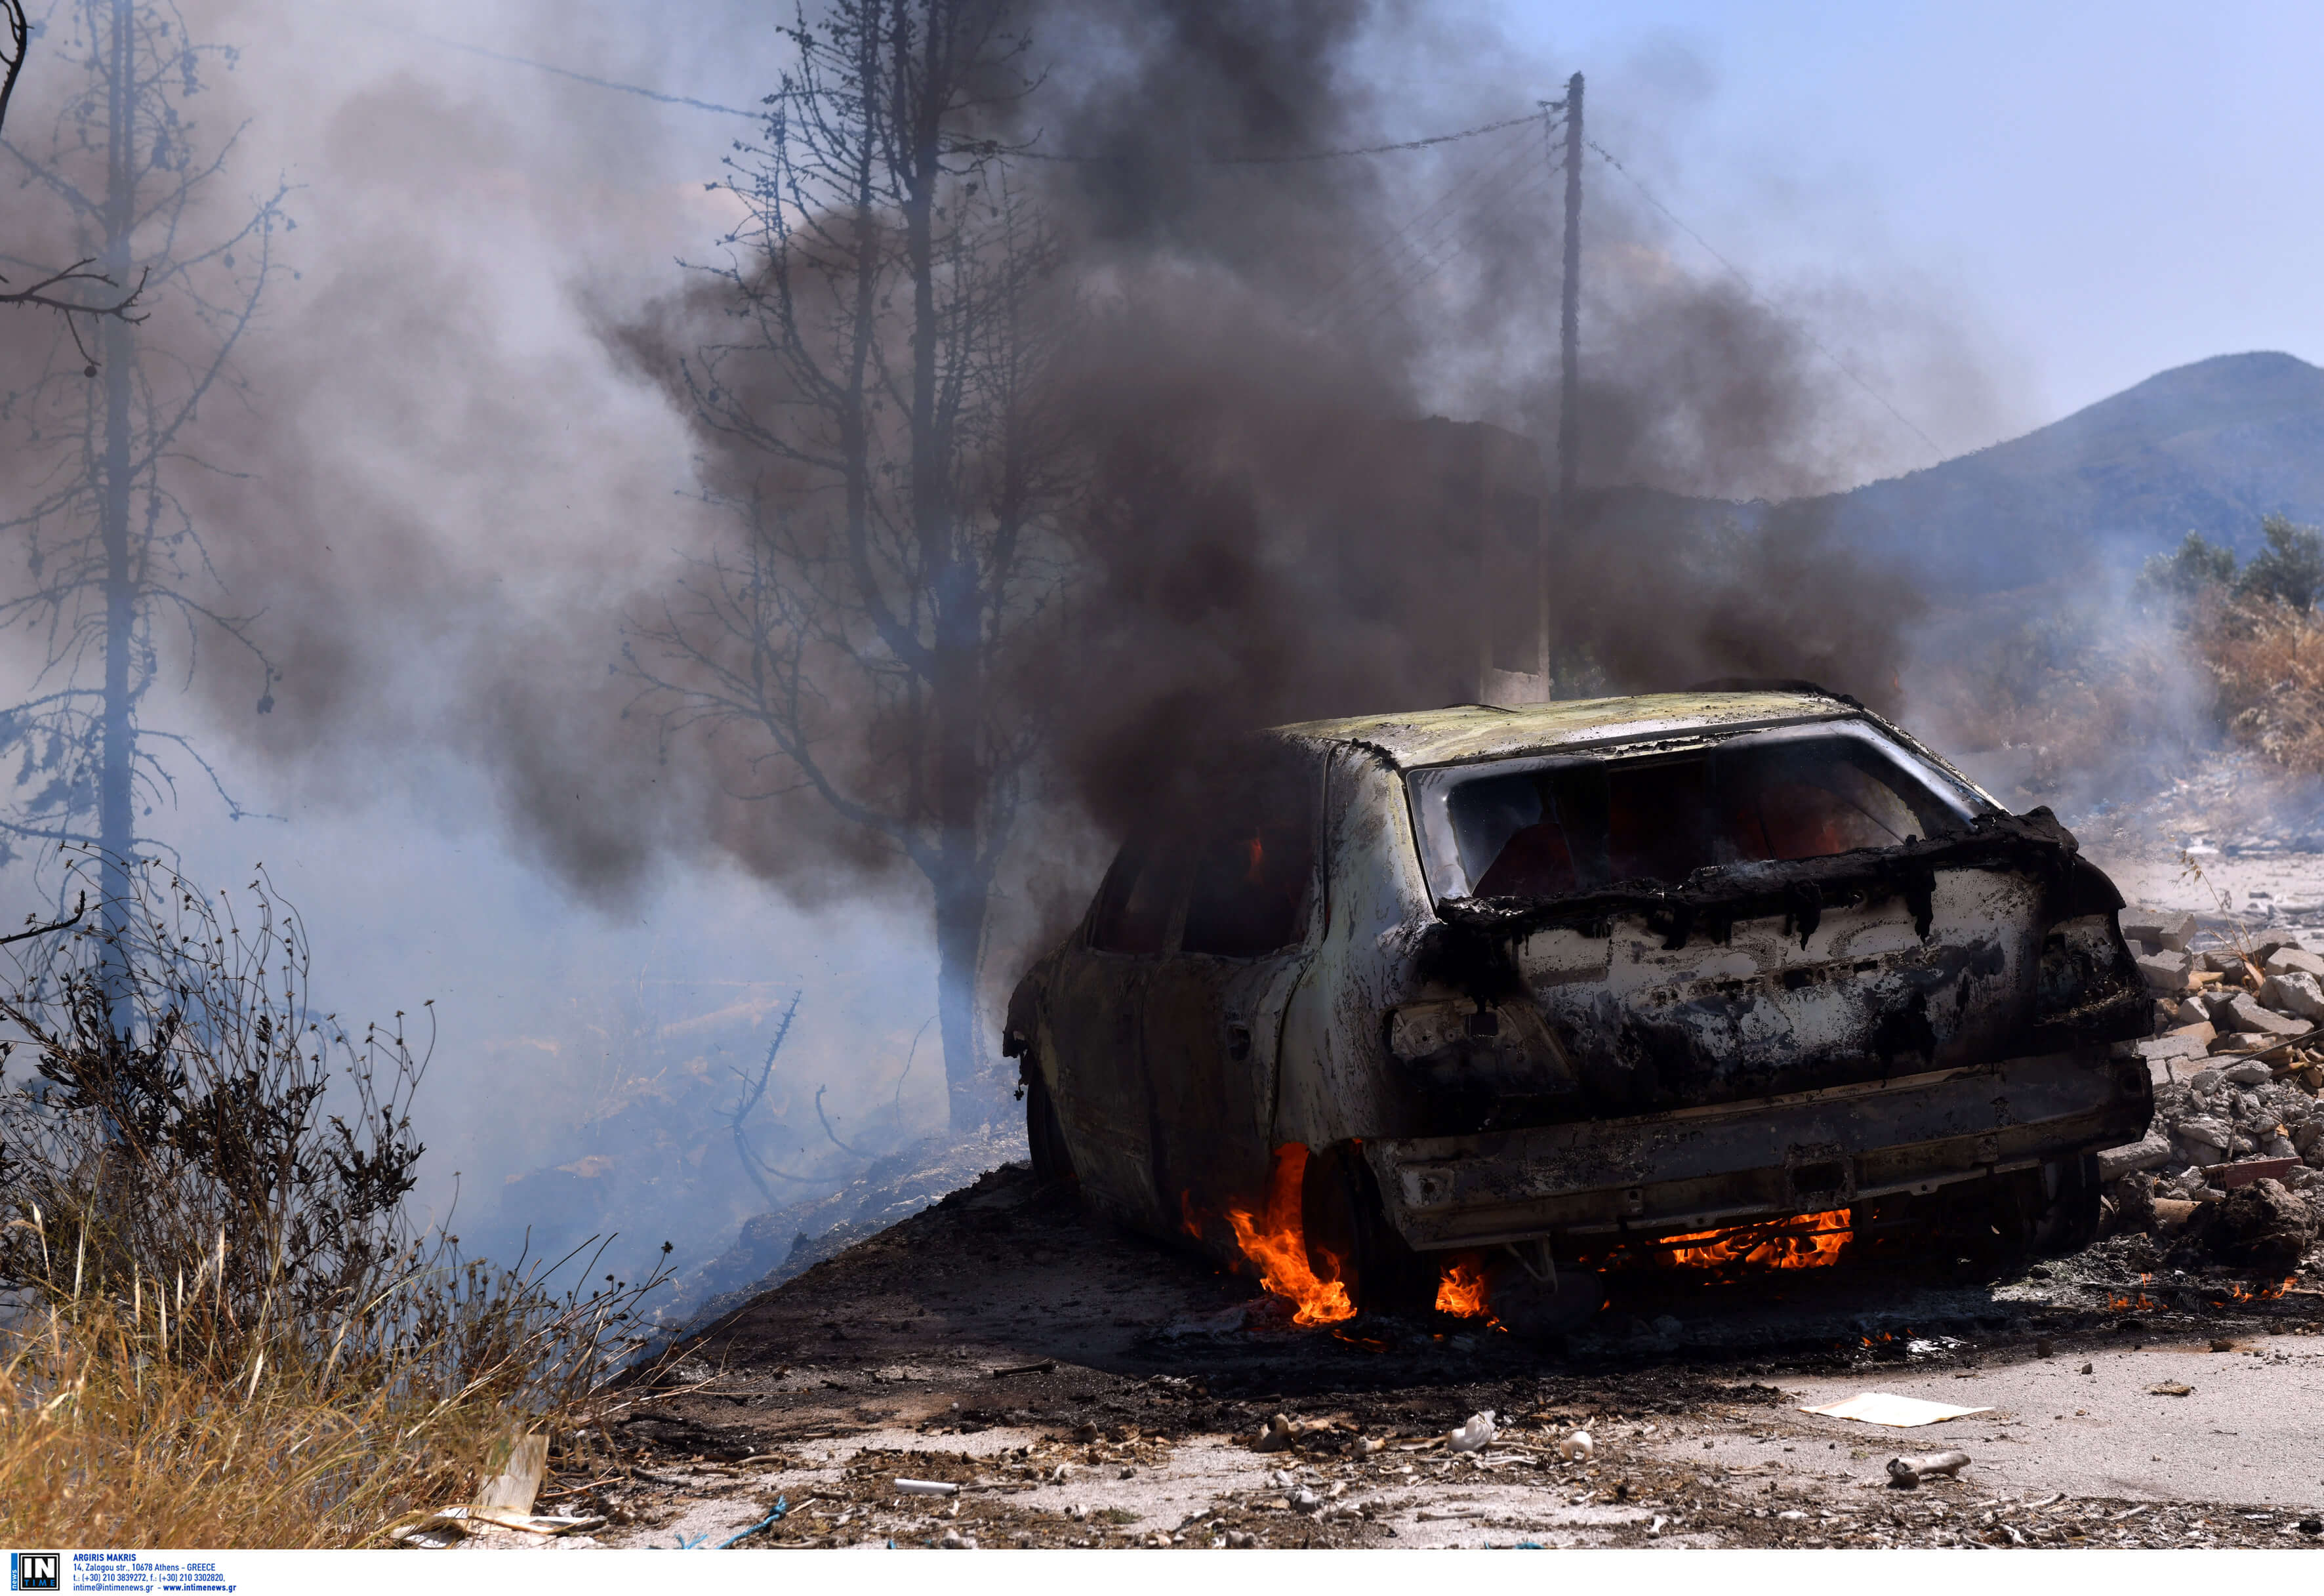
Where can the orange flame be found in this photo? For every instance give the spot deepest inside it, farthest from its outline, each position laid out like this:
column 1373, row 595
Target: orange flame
column 1804, row 1242
column 1277, row 1244
column 2239, row 1293
column 1462, row 1291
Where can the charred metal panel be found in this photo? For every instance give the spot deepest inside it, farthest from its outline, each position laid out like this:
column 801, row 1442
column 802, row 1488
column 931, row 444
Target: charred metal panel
column 1718, row 1165
column 1769, row 978
column 1331, row 1086
column 1861, row 997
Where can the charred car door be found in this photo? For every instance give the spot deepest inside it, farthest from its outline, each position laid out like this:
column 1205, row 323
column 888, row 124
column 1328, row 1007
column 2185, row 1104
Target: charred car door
column 1096, row 996
column 1212, row 1019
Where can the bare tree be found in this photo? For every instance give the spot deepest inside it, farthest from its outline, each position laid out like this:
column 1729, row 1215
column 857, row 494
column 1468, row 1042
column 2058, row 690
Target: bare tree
column 112, row 557
column 67, row 288
column 893, row 461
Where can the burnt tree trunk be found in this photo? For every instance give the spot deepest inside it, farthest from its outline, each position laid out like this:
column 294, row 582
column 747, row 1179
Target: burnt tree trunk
column 956, row 661
column 117, row 751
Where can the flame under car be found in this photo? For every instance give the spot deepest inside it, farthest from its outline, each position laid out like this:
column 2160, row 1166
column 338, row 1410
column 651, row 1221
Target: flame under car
column 1549, row 984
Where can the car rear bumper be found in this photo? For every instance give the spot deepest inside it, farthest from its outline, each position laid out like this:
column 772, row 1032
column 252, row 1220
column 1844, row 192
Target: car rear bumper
column 1698, row 1168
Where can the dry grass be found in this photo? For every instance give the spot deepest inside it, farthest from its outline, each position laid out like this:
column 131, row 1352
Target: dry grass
column 158, row 1423
column 2266, row 660
column 102, row 1445
column 217, row 1327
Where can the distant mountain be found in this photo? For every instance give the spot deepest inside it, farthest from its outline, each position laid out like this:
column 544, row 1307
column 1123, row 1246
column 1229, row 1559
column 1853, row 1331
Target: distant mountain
column 2207, row 448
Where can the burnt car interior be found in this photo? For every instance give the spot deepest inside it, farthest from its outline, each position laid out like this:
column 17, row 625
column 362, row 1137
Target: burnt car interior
column 1552, row 828
column 1244, row 860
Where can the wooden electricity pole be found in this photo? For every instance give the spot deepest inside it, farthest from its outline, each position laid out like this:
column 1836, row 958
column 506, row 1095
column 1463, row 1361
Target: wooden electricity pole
column 1569, row 339
column 1568, row 318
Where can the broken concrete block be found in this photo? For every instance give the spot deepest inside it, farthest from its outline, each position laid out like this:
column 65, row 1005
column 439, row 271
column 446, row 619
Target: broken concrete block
column 2115, row 1162
column 2191, row 1012
column 2192, row 1043
column 2224, row 961
column 2251, row 1072
column 2165, row 971
column 2243, row 1012
column 2263, row 1226
column 2201, row 1131
column 2158, row 927
column 2295, row 992
column 2288, row 959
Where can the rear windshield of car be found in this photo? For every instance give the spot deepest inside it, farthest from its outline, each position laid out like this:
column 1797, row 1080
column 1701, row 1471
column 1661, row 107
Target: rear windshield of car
column 1547, row 827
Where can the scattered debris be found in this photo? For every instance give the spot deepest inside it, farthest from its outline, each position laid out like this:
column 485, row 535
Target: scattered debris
column 1474, row 1435
column 2263, row 1226
column 1577, row 1447
column 2171, row 1387
column 1905, row 1473
column 926, row 1488
column 514, row 1469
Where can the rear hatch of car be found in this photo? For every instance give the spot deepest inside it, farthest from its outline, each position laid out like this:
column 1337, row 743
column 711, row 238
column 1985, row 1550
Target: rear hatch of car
column 1639, row 928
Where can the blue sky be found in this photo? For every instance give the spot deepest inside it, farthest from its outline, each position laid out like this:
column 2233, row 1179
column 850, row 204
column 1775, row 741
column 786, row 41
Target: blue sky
column 2103, row 191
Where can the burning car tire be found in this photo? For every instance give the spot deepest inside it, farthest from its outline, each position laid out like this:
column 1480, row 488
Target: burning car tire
column 1349, row 1238
column 1542, row 1310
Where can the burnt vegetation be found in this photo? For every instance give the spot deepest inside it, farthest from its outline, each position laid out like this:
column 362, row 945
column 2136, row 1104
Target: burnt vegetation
column 204, row 1181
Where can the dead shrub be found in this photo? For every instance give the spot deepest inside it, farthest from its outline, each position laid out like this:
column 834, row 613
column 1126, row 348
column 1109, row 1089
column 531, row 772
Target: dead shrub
column 2266, row 662
column 223, row 1318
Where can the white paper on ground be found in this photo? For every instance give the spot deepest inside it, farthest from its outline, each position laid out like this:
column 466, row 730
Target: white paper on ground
column 1905, row 1413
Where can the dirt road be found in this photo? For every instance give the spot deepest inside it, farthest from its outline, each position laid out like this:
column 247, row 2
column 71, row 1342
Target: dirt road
column 1087, row 1387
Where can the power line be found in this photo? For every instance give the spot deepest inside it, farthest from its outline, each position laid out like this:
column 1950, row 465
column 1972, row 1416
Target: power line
column 1765, row 303
column 1429, row 258
column 1415, row 237
column 618, row 88
column 1025, row 153
column 1548, row 107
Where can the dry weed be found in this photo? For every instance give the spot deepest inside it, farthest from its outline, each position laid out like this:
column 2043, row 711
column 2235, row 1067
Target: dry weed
column 2265, row 659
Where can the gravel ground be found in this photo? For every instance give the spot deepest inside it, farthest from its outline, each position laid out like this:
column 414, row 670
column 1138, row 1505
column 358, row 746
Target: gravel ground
column 1088, row 1389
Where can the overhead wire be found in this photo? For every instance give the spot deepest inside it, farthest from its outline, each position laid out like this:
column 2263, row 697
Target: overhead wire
column 688, row 101
column 1297, row 157
column 1765, row 303
column 1412, row 281
column 1412, row 243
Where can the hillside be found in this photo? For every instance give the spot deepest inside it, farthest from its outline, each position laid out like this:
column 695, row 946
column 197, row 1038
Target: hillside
column 2206, row 448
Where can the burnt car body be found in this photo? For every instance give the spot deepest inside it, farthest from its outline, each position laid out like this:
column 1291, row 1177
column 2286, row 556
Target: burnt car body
column 1539, row 981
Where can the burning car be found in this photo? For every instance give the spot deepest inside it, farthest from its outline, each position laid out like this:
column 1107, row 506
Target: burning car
column 1467, row 1001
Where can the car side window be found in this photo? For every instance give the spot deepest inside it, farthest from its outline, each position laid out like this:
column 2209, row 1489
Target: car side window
column 1252, row 865
column 1133, row 906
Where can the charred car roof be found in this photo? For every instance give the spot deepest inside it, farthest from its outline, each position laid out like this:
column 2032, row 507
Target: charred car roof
column 1467, row 732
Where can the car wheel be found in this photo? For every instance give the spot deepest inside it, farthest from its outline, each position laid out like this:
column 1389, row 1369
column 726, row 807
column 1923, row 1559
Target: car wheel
column 2068, row 1220
column 1052, row 1159
column 1348, row 1235
column 2046, row 1211
column 1539, row 1310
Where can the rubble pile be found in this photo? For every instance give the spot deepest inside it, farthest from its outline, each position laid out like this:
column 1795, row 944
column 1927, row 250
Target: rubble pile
column 2237, row 1059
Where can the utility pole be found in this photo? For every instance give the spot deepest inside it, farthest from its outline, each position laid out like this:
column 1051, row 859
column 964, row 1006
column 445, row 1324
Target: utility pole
column 1569, row 319
column 1569, row 338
